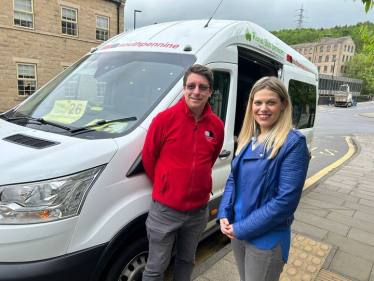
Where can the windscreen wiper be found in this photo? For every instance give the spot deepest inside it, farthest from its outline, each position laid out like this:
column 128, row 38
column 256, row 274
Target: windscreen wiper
column 103, row 122
column 40, row 121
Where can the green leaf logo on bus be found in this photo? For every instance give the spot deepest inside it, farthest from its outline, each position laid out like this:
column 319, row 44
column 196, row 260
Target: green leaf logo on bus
column 248, row 35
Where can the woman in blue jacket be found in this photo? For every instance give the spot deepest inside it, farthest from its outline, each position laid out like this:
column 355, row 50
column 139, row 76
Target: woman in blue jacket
column 265, row 185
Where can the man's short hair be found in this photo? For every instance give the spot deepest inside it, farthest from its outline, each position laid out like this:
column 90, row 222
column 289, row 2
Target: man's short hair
column 200, row 70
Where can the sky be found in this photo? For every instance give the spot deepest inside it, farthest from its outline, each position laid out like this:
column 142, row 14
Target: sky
column 272, row 15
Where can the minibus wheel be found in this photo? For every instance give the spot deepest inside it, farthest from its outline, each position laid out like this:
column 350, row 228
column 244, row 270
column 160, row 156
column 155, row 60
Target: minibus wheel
column 130, row 264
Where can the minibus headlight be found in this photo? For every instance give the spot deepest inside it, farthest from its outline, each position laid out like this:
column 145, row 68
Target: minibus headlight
column 45, row 200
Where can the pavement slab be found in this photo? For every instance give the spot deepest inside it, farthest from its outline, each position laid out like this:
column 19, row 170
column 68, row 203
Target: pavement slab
column 362, row 236
column 364, row 216
column 354, row 247
column 336, row 195
column 326, row 198
column 322, row 223
column 351, row 222
column 360, row 206
column 351, row 266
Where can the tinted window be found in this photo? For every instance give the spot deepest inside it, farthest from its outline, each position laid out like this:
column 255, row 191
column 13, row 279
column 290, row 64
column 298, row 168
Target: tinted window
column 218, row 100
column 303, row 98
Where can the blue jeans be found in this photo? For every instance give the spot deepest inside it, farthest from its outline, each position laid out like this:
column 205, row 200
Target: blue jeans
column 255, row 264
column 166, row 226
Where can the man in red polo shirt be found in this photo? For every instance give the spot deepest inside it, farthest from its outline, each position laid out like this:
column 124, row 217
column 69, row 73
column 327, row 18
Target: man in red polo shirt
column 180, row 149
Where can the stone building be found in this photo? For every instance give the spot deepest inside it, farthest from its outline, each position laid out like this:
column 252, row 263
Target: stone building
column 329, row 55
column 40, row 38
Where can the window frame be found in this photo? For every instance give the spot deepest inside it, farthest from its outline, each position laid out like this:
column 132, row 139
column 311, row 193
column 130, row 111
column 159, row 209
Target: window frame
column 26, row 79
column 303, row 97
column 327, row 58
column 69, row 21
column 101, row 28
column 335, row 48
column 328, row 48
column 24, row 12
column 225, row 95
column 321, row 48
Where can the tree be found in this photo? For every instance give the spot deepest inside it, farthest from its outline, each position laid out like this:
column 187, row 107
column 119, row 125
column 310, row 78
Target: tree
column 368, row 4
column 367, row 33
column 361, row 68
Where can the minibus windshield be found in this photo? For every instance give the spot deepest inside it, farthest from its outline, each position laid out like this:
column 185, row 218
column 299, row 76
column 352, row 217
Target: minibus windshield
column 114, row 90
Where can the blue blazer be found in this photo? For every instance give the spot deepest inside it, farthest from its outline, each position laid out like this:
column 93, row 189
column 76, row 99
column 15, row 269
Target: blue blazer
column 271, row 188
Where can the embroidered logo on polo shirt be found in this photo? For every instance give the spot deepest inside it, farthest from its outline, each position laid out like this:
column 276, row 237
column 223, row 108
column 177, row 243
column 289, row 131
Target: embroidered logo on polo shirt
column 209, row 135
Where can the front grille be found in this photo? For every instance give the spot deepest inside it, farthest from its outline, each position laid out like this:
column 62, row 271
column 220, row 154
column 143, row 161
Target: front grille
column 30, row 141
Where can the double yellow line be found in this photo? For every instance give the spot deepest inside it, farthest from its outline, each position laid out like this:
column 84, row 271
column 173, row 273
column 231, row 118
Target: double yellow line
column 328, row 169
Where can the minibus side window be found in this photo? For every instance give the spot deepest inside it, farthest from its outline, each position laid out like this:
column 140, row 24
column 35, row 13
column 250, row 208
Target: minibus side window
column 303, row 97
column 218, row 100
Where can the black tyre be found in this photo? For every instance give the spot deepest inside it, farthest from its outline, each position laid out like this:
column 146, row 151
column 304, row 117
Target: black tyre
column 130, row 264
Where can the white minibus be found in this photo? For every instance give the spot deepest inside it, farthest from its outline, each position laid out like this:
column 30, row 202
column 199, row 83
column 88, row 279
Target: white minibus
column 73, row 193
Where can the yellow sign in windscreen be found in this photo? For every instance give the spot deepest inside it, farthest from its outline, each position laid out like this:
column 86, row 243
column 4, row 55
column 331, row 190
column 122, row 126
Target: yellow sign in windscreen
column 66, row 111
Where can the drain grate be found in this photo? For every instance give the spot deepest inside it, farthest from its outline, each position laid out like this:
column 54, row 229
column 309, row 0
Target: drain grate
column 30, row 141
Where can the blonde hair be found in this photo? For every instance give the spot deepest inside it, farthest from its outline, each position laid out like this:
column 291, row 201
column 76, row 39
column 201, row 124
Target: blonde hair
column 278, row 134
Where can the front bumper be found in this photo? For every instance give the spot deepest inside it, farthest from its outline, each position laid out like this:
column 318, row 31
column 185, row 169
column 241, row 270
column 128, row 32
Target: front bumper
column 77, row 266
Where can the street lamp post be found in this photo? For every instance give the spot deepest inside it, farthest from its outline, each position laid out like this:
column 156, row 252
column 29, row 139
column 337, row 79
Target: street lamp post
column 332, row 80
column 136, row 11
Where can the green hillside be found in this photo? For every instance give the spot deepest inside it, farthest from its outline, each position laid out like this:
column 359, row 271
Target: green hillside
column 310, row 35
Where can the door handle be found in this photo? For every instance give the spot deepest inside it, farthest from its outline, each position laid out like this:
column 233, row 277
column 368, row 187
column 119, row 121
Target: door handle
column 224, row 154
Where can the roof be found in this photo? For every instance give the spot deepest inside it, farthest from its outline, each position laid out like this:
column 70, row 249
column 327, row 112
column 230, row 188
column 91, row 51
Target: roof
column 324, row 41
column 195, row 38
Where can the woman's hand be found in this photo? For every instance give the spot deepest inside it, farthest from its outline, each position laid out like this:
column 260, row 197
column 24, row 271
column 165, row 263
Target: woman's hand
column 227, row 228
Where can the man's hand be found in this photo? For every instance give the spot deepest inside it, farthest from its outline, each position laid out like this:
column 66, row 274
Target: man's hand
column 227, row 228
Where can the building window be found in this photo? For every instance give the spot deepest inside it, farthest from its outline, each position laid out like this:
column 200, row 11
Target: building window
column 332, row 69
column 341, row 69
column 345, row 48
column 327, row 58
column 101, row 89
column 23, row 13
column 102, row 28
column 319, row 68
column 310, row 59
column 352, row 49
column 69, row 21
column 334, row 58
column 311, row 51
column 321, row 49
column 343, row 58
column 349, row 48
column 328, row 48
column 305, row 51
column 325, row 68
column 26, row 79
column 335, row 47
column 71, row 88
column 320, row 59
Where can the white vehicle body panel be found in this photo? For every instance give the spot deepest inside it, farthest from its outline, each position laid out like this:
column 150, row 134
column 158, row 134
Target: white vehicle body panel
column 115, row 199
